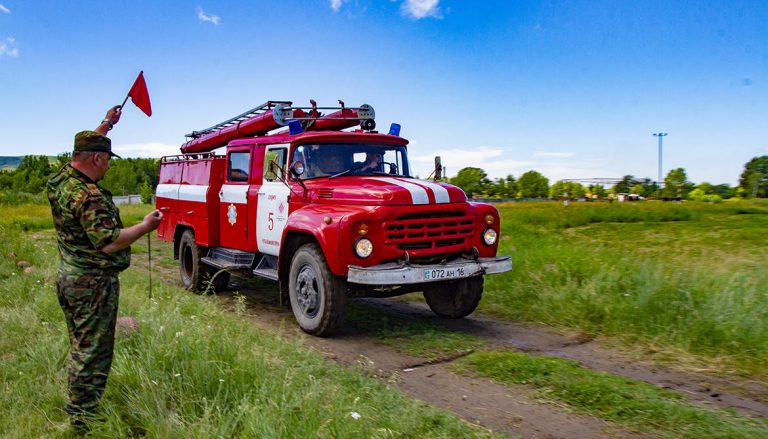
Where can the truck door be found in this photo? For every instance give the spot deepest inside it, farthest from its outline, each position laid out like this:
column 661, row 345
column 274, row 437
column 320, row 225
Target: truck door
column 272, row 208
column 233, row 199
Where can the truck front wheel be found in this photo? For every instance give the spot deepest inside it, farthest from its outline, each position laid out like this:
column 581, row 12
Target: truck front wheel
column 454, row 299
column 318, row 297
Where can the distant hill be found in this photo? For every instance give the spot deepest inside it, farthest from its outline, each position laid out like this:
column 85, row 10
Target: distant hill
column 9, row 163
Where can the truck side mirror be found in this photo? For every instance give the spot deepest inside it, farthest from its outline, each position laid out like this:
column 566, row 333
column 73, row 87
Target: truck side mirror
column 272, row 170
column 297, row 168
column 438, row 169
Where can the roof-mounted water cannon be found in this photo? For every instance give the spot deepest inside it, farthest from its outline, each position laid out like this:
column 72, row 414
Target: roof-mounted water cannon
column 344, row 117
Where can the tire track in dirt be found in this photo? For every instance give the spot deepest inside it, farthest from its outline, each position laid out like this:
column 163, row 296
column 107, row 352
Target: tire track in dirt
column 504, row 409
column 748, row 398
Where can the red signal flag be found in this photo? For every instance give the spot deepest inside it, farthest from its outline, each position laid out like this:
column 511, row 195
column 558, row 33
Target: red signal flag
column 140, row 95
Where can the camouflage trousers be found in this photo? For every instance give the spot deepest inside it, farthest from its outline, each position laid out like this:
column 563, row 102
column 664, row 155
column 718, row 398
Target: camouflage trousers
column 89, row 302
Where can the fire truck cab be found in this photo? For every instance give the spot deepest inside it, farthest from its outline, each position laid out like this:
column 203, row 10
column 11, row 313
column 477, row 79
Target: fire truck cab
column 328, row 214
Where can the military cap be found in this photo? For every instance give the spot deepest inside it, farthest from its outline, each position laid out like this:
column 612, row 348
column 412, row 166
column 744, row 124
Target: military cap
column 91, row 141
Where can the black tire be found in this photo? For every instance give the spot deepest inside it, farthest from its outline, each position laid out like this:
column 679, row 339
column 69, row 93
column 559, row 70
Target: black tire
column 194, row 274
column 317, row 296
column 455, row 299
column 190, row 267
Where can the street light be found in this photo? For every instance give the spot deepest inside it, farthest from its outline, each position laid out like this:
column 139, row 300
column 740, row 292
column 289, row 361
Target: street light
column 661, row 137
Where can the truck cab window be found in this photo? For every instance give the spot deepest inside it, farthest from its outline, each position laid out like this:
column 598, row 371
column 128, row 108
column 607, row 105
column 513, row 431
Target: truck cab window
column 239, row 164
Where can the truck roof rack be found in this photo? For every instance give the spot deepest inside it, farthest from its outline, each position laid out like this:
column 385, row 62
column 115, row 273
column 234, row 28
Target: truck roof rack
column 275, row 114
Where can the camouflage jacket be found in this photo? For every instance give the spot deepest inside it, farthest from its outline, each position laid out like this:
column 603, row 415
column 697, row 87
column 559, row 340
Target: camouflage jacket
column 86, row 221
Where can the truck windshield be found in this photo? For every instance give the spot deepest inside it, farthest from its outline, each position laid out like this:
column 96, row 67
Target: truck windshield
column 338, row 159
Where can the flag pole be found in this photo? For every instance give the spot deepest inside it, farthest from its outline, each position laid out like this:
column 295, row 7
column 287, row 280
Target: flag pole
column 149, row 260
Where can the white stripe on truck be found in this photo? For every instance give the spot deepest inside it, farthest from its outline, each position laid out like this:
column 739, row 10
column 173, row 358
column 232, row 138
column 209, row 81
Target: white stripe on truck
column 182, row 192
column 234, row 193
column 418, row 193
column 441, row 193
column 170, row 191
column 193, row 192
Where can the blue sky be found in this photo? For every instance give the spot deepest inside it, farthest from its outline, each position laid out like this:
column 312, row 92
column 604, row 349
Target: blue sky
column 571, row 89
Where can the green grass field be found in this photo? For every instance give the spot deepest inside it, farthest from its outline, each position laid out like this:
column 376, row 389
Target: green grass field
column 192, row 369
column 690, row 277
column 687, row 280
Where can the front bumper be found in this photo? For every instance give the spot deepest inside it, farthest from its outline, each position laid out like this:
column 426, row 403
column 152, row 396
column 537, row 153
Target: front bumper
column 396, row 274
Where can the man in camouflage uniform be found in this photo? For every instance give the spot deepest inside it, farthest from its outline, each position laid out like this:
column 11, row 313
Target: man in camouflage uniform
column 94, row 248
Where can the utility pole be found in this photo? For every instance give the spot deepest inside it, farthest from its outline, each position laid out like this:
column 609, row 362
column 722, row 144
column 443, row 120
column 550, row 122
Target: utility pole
column 661, row 138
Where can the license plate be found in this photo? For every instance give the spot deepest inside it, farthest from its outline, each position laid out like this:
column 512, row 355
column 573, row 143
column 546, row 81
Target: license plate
column 444, row 273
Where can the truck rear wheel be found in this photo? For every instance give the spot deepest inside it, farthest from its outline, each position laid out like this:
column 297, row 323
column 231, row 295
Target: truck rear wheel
column 455, row 299
column 318, row 297
column 195, row 276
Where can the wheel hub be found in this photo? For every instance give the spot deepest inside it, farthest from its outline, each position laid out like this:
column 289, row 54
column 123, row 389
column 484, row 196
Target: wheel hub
column 308, row 291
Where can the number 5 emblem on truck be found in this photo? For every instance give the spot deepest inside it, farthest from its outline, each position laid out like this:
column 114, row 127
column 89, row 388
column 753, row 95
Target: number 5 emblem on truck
column 326, row 212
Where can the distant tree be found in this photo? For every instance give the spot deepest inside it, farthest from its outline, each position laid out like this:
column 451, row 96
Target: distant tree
column 721, row 190
column 532, row 185
column 649, row 186
column 699, row 194
column 597, row 189
column 676, row 184
column 724, row 190
column 474, row 181
column 504, row 187
column 624, row 186
column 754, row 179
column 62, row 159
column 573, row 189
column 146, row 192
column 125, row 176
column 30, row 176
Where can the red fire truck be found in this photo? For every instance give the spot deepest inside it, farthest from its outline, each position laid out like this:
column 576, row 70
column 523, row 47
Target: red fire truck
column 326, row 212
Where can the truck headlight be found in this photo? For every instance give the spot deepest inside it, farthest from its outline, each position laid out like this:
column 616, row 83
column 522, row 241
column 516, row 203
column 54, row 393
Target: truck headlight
column 363, row 247
column 490, row 236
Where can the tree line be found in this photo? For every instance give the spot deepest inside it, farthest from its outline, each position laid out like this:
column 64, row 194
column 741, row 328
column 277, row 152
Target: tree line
column 140, row 175
column 125, row 176
column 753, row 183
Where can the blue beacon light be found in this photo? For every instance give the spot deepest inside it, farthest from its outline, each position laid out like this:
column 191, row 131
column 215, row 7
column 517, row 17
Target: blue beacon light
column 294, row 127
column 394, row 129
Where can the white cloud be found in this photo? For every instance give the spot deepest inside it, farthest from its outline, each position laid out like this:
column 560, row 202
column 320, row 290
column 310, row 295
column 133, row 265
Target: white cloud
column 7, row 48
column 553, row 154
column 203, row 17
column 336, row 5
column 146, row 150
column 4, row 10
column 418, row 9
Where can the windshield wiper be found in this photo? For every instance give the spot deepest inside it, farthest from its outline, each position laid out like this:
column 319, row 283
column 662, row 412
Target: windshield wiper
column 354, row 168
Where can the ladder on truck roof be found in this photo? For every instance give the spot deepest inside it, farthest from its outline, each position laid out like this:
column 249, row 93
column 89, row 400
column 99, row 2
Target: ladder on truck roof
column 275, row 114
column 256, row 111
